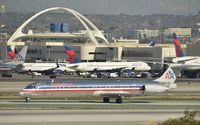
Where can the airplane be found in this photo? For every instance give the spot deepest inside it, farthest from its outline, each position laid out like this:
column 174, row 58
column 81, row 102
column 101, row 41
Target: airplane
column 180, row 56
column 47, row 68
column 110, row 66
column 16, row 64
column 44, row 68
column 103, row 66
column 105, row 89
column 189, row 64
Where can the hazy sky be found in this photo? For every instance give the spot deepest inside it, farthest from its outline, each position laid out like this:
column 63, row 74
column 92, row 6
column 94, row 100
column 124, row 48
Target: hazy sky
column 132, row 7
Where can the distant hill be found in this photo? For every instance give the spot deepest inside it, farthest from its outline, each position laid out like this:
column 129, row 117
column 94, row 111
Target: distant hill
column 120, row 25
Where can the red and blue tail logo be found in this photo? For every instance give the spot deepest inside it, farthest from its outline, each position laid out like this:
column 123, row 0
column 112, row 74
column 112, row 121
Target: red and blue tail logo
column 179, row 50
column 169, row 75
column 11, row 54
column 71, row 55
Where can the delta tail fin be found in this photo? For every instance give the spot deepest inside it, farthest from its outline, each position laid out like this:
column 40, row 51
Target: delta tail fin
column 168, row 77
column 71, row 55
column 179, row 50
column 20, row 57
column 11, row 53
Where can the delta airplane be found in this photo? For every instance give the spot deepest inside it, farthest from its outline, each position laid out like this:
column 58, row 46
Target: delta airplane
column 180, row 56
column 110, row 66
column 190, row 64
column 103, row 66
column 104, row 89
column 15, row 64
column 48, row 67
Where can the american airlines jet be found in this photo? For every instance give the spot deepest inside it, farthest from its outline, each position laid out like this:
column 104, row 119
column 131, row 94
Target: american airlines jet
column 105, row 89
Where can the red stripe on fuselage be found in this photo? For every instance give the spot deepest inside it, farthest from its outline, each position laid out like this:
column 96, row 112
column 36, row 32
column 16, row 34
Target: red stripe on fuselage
column 79, row 90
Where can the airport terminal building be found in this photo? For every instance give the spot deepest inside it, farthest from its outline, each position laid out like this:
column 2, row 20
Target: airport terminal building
column 90, row 45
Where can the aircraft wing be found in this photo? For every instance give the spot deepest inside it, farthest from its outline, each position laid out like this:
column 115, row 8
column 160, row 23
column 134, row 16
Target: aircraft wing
column 73, row 66
column 110, row 69
column 156, row 62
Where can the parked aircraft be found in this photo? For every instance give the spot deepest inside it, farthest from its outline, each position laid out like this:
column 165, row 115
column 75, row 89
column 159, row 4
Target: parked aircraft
column 103, row 66
column 110, row 66
column 7, row 68
column 44, row 68
column 190, row 64
column 105, row 89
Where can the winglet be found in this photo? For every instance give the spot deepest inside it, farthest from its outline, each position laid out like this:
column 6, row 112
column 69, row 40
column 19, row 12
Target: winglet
column 153, row 43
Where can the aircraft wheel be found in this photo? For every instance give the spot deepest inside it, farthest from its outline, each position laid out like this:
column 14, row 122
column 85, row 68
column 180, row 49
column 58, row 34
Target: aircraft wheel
column 28, row 99
column 119, row 100
column 106, row 100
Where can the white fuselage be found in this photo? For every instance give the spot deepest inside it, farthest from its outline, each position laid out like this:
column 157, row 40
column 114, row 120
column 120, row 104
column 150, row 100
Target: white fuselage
column 193, row 64
column 104, row 89
column 91, row 66
column 34, row 67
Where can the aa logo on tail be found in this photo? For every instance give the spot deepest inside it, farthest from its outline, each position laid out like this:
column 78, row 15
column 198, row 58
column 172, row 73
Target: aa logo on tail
column 169, row 75
column 19, row 58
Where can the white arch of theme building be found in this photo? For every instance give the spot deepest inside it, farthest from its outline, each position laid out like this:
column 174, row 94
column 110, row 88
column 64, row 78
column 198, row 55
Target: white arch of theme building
column 84, row 21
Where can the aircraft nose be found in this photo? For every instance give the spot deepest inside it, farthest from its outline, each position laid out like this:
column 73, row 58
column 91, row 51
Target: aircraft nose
column 149, row 68
column 21, row 93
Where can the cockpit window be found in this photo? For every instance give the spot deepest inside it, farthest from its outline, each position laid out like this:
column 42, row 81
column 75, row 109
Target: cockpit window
column 30, row 87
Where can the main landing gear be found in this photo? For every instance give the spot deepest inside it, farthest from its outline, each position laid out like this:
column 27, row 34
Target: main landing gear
column 107, row 100
column 119, row 100
column 28, row 99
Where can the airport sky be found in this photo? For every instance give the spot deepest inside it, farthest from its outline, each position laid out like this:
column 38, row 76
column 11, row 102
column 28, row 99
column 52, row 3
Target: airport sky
column 131, row 7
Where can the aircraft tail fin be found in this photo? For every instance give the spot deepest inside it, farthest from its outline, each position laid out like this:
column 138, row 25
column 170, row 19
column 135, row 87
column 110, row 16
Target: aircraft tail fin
column 168, row 77
column 179, row 50
column 71, row 55
column 11, row 54
column 153, row 43
column 20, row 57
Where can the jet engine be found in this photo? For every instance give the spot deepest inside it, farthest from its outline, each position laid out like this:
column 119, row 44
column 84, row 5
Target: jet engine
column 155, row 88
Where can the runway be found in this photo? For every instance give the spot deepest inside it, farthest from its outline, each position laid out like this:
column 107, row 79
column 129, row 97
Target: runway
column 86, row 117
column 98, row 104
column 144, row 110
